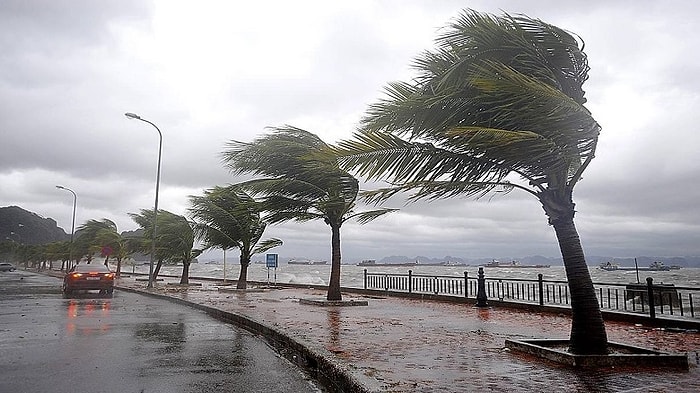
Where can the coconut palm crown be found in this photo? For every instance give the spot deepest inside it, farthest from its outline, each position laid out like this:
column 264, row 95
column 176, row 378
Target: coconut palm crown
column 298, row 183
column 498, row 106
column 227, row 217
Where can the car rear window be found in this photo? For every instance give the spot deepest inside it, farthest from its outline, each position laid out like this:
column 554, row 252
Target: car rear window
column 93, row 267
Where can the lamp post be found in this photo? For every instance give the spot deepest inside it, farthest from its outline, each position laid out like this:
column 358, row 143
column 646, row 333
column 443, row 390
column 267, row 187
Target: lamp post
column 155, row 208
column 72, row 227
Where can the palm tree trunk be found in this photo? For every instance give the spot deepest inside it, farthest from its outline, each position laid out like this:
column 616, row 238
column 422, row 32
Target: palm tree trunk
column 185, row 278
column 588, row 336
column 243, row 275
column 119, row 267
column 334, row 284
column 157, row 269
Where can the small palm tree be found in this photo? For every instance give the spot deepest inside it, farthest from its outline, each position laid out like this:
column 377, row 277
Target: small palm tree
column 58, row 251
column 497, row 107
column 300, row 184
column 176, row 239
column 144, row 219
column 227, row 217
column 102, row 236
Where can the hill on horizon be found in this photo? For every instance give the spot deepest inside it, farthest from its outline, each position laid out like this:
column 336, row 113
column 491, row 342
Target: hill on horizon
column 22, row 226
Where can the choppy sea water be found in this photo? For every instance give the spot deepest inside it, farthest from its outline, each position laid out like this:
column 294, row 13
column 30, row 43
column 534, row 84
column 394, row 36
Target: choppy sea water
column 352, row 275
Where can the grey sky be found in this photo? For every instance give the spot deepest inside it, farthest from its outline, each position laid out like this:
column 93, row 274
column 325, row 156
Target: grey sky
column 207, row 72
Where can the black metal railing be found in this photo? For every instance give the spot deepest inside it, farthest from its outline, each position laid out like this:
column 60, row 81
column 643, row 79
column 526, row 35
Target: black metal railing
column 645, row 298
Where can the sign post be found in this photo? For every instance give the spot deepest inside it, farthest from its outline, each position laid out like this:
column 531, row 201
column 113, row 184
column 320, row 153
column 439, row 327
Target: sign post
column 271, row 262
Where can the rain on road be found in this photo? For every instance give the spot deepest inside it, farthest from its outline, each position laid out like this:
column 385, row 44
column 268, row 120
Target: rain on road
column 130, row 343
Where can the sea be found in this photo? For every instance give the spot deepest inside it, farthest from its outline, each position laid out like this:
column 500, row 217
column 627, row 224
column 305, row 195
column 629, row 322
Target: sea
column 352, row 275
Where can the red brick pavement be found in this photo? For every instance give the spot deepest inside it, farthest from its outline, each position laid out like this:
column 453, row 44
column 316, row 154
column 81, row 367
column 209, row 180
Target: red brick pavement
column 403, row 345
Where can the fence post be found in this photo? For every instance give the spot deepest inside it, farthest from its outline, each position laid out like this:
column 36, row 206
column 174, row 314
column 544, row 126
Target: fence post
column 365, row 278
column 650, row 293
column 466, row 284
column 541, row 285
column 410, row 281
column 481, row 290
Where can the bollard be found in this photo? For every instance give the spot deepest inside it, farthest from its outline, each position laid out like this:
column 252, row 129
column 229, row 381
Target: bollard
column 540, row 285
column 650, row 293
column 466, row 284
column 481, row 290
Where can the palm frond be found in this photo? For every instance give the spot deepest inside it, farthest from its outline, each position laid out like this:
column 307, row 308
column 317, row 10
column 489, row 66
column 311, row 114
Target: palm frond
column 266, row 245
column 367, row 216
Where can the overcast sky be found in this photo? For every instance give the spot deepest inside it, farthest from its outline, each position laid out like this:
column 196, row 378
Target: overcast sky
column 207, row 72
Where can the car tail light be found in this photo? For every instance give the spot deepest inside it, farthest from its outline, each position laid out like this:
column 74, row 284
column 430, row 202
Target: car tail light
column 109, row 275
column 76, row 275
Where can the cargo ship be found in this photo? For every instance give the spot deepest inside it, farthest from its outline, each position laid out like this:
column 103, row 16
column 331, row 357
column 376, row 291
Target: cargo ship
column 306, row 262
column 514, row 264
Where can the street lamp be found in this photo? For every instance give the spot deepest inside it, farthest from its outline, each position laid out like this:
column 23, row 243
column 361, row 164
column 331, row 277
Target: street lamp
column 155, row 208
column 72, row 227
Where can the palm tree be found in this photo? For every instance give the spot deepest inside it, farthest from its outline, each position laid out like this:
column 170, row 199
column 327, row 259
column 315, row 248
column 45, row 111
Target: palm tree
column 174, row 242
column 82, row 247
column 497, row 107
column 176, row 238
column 103, row 237
column 58, row 251
column 145, row 220
column 227, row 217
column 300, row 184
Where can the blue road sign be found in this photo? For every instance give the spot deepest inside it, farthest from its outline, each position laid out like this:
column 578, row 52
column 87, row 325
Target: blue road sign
column 271, row 260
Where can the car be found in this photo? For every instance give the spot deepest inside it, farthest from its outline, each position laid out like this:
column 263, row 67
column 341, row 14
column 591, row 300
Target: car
column 6, row 267
column 85, row 277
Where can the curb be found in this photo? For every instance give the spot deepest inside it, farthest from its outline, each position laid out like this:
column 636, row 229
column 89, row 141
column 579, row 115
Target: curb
column 320, row 365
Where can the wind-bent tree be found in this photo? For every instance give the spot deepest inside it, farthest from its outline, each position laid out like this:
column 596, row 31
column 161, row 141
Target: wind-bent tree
column 58, row 251
column 103, row 236
column 298, row 184
column 227, row 217
column 497, row 106
column 144, row 219
column 176, row 240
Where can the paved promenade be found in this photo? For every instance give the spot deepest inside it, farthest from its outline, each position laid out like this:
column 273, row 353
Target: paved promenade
column 403, row 345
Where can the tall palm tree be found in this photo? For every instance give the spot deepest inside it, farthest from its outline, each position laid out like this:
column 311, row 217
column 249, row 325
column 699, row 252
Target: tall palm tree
column 498, row 106
column 227, row 217
column 300, row 184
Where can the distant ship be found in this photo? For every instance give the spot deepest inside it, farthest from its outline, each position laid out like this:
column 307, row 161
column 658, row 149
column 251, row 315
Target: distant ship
column 513, row 264
column 372, row 262
column 306, row 262
column 656, row 266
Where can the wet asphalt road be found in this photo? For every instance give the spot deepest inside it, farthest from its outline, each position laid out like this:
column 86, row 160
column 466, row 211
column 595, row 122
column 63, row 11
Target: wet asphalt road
column 130, row 343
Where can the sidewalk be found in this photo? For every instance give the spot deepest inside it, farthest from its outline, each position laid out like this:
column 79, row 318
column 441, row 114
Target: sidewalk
column 403, row 345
